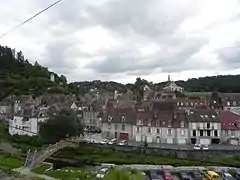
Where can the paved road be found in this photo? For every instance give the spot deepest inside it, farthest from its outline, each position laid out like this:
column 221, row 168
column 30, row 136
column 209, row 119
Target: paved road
column 97, row 139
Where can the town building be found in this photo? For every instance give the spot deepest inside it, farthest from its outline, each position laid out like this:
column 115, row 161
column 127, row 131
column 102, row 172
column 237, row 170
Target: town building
column 172, row 86
column 26, row 121
column 204, row 126
column 118, row 123
column 230, row 126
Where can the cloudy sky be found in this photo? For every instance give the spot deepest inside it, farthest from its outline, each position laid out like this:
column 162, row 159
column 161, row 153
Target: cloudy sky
column 124, row 39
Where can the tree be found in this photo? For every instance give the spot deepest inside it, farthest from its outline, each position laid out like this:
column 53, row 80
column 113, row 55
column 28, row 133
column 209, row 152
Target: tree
column 65, row 124
column 123, row 174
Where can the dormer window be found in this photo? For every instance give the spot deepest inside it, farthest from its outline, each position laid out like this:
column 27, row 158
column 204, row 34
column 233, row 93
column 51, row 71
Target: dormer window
column 149, row 123
column 182, row 124
column 191, row 104
column 157, row 123
column 139, row 122
column 123, row 119
column 109, row 118
column 228, row 103
column 177, row 103
column 169, row 123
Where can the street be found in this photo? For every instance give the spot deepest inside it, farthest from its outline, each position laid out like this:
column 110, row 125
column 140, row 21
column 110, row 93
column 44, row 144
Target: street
column 96, row 138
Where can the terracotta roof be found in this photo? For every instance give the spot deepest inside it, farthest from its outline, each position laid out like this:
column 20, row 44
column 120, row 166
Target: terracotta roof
column 229, row 120
column 203, row 115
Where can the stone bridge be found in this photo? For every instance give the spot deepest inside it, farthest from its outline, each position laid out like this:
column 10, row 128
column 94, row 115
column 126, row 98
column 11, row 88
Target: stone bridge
column 35, row 158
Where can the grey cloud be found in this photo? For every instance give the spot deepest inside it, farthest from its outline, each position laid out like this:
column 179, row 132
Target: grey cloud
column 131, row 62
column 230, row 56
column 152, row 18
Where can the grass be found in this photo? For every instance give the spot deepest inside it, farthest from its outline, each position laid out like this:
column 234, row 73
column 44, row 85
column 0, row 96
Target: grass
column 71, row 173
column 41, row 169
column 235, row 160
column 94, row 154
column 10, row 161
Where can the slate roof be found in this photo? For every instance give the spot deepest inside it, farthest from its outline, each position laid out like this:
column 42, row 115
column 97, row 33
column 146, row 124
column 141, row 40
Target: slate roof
column 203, row 115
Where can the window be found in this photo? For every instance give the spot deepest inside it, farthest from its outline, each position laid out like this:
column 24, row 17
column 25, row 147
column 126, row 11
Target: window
column 116, row 126
column 157, row 123
column 94, row 121
column 90, row 121
column 149, row 123
column 232, row 133
column 201, row 132
column 109, row 118
column 208, row 125
column 158, row 131
column 123, row 119
column 123, row 127
column 109, row 126
column 194, row 133
column 169, row 123
column 182, row 124
column 139, row 122
column 215, row 133
column 169, row 131
column 149, row 130
column 182, row 132
column 208, row 132
column 138, row 129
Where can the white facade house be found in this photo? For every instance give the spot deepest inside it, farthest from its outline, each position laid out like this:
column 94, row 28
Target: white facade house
column 26, row 122
column 25, row 126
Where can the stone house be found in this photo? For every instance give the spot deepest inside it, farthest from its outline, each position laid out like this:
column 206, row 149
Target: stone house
column 204, row 126
column 118, row 123
column 26, row 121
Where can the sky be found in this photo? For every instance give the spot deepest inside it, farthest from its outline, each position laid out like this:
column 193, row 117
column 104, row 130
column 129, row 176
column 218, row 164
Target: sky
column 120, row 40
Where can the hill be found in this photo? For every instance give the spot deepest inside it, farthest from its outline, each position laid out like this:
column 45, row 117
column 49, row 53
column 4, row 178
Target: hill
column 19, row 76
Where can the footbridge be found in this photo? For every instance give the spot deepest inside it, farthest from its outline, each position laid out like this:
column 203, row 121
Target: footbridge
column 35, row 158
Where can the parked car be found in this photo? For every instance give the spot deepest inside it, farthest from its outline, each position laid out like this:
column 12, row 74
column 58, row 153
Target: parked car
column 238, row 175
column 101, row 173
column 205, row 147
column 197, row 146
column 183, row 176
column 105, row 141
column 123, row 143
column 112, row 141
column 227, row 176
column 196, row 175
column 167, row 174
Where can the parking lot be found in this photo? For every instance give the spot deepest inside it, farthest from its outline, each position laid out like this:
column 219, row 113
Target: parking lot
column 182, row 173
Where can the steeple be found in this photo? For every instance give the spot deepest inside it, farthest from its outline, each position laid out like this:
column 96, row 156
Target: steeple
column 169, row 79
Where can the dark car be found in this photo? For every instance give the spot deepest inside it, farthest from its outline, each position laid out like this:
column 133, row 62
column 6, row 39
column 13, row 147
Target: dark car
column 154, row 175
column 237, row 175
column 184, row 176
column 196, row 175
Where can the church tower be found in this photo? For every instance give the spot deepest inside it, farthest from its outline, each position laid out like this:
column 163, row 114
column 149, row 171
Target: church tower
column 169, row 79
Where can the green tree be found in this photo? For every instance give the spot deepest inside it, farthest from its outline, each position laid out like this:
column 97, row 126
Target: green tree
column 65, row 124
column 123, row 174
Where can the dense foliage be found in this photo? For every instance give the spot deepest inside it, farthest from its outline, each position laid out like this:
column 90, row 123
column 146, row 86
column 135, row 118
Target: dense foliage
column 65, row 124
column 19, row 76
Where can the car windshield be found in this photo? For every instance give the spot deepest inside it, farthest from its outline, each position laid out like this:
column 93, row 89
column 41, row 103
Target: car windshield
column 106, row 140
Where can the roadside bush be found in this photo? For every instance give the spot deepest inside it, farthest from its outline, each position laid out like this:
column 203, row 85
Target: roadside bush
column 35, row 141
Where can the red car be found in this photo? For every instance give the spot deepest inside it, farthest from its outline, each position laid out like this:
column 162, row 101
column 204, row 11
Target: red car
column 167, row 175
